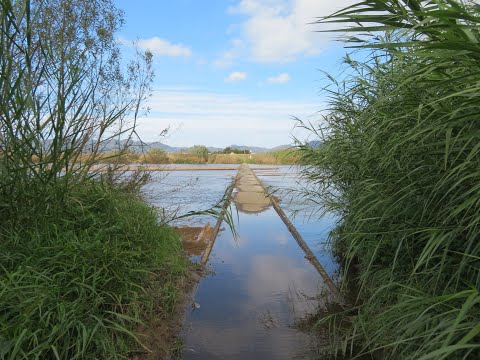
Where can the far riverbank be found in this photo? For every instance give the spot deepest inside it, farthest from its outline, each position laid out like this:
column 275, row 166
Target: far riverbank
column 157, row 157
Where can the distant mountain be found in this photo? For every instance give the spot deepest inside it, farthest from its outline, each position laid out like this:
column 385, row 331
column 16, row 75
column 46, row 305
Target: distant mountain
column 253, row 149
column 164, row 147
column 314, row 144
column 258, row 149
column 281, row 147
column 137, row 146
column 214, row 149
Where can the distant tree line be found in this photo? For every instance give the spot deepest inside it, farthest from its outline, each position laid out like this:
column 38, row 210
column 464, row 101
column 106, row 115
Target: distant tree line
column 229, row 150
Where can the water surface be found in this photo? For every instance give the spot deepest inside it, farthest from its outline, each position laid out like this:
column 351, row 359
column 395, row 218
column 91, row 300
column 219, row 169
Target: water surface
column 179, row 192
column 260, row 288
column 285, row 183
column 260, row 285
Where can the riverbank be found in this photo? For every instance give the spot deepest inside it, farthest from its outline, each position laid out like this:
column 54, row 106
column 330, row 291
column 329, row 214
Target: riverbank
column 159, row 335
column 156, row 156
column 79, row 279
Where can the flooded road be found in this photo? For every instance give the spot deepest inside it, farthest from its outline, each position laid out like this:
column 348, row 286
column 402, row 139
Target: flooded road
column 260, row 287
column 182, row 191
column 286, row 184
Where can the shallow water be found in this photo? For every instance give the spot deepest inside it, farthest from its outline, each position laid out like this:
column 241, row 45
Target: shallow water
column 286, row 184
column 179, row 192
column 260, row 288
column 260, row 285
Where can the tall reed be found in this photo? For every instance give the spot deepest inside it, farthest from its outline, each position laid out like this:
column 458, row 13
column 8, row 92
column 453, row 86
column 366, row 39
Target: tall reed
column 399, row 163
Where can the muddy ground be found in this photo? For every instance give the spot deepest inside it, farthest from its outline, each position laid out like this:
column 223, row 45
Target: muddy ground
column 160, row 335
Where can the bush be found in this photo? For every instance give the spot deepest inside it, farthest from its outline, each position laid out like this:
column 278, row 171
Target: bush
column 156, row 156
column 200, row 151
column 81, row 261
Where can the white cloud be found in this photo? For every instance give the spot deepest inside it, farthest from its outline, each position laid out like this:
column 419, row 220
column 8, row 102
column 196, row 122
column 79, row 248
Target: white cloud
column 236, row 76
column 222, row 119
column 278, row 30
column 282, row 78
column 163, row 47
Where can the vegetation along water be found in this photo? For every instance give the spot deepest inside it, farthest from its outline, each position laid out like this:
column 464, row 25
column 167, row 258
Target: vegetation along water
column 399, row 163
column 83, row 260
column 89, row 268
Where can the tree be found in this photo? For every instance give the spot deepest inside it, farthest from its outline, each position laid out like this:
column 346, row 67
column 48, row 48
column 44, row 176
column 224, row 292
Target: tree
column 229, row 150
column 199, row 150
column 64, row 92
column 156, row 156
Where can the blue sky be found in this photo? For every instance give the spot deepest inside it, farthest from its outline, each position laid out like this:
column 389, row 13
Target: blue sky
column 232, row 71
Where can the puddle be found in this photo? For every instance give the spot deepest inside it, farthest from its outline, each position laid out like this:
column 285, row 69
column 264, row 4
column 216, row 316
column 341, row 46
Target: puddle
column 261, row 286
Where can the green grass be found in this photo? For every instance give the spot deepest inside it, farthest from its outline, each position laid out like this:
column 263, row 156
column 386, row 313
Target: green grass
column 78, row 285
column 82, row 262
column 399, row 163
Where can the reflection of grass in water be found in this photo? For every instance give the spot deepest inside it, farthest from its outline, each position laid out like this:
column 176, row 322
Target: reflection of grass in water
column 317, row 322
column 177, row 348
column 319, row 325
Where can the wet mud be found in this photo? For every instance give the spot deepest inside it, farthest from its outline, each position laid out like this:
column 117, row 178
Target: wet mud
column 195, row 239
